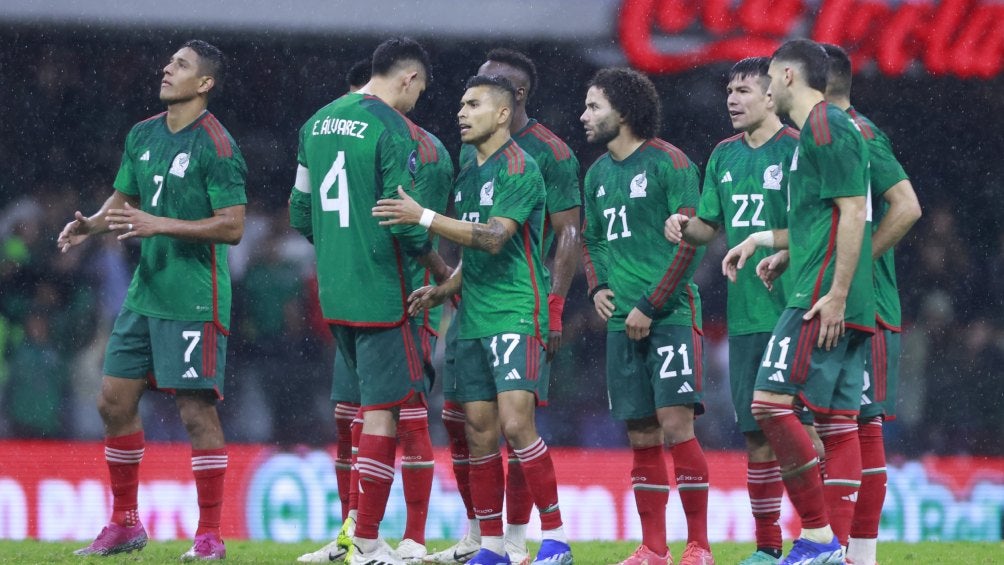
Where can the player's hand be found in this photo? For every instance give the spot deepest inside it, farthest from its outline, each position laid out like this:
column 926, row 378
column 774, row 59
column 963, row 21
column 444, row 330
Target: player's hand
column 772, row 267
column 403, row 211
column 132, row 222
column 674, row 226
column 637, row 325
column 424, row 299
column 74, row 233
column 603, row 301
column 736, row 258
column 830, row 310
column 553, row 344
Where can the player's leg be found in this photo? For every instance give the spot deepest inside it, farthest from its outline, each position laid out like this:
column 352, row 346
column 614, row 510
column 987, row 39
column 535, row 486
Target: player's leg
column 417, row 464
column 674, row 366
column 518, row 505
column 129, row 358
column 632, row 399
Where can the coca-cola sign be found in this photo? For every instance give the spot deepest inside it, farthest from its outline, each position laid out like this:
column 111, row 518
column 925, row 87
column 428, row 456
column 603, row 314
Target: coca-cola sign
column 964, row 38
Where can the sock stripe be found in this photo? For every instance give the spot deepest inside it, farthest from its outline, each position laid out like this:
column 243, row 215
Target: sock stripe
column 764, row 505
column 535, row 450
column 802, row 468
column 651, row 487
column 692, row 486
column 123, row 456
column 874, row 471
column 414, row 413
column 484, row 460
column 373, row 468
column 453, row 416
column 207, row 462
column 842, row 483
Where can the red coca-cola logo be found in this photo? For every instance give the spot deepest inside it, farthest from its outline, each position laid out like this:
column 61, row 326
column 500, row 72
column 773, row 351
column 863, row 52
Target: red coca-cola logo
column 964, row 38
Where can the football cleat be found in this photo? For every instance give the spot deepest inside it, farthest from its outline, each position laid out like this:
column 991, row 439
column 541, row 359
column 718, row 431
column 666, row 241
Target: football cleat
column 207, row 547
column 805, row 552
column 116, row 539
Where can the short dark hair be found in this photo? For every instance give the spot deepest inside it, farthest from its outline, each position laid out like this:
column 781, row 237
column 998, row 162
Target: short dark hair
column 634, row 96
column 359, row 74
column 497, row 83
column 517, row 60
column 212, row 61
column 838, row 78
column 812, row 58
column 397, row 50
column 752, row 67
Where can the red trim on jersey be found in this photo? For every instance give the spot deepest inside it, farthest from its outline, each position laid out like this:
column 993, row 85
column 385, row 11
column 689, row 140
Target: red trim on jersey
column 404, row 302
column 880, row 367
column 860, row 328
column 391, row 404
column 215, row 130
column 415, row 372
column 679, row 158
column 831, row 246
column 425, row 143
column 695, row 336
column 693, row 311
column 735, row 137
column 819, row 122
column 866, row 130
column 558, row 147
column 880, row 323
column 216, row 291
column 514, row 155
column 208, row 349
column 416, row 135
column 791, row 132
column 154, row 117
column 681, row 261
column 808, row 336
column 533, row 281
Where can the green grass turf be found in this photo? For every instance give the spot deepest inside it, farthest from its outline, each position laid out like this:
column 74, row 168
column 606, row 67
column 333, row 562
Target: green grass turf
column 586, row 553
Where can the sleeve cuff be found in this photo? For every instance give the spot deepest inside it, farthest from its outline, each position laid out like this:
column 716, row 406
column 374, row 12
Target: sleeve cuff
column 645, row 306
column 596, row 289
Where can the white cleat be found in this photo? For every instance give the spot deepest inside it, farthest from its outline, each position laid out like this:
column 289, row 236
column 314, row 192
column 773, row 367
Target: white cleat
column 518, row 555
column 331, row 553
column 410, row 551
column 384, row 554
column 462, row 552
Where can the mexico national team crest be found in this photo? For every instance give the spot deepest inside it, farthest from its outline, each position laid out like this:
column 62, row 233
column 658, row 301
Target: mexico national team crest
column 638, row 185
column 413, row 162
column 180, row 165
column 487, row 193
column 772, row 177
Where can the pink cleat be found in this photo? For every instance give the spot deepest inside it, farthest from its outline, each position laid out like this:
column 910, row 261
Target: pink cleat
column 645, row 556
column 207, row 547
column 696, row 555
column 116, row 539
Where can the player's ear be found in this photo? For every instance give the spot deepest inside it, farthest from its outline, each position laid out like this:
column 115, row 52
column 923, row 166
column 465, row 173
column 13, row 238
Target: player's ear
column 504, row 113
column 206, row 84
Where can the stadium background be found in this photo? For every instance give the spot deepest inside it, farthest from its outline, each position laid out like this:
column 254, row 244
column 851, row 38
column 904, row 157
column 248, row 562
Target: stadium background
column 77, row 75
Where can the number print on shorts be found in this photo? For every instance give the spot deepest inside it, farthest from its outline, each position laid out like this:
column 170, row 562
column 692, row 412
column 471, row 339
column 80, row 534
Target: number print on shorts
column 669, row 352
column 512, row 340
column 195, row 337
column 782, row 354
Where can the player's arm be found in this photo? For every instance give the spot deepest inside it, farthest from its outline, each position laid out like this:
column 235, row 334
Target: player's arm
column 81, row 227
column 904, row 211
column 695, row 231
column 226, row 225
column 567, row 246
column 431, row 296
column 300, row 211
column 736, row 257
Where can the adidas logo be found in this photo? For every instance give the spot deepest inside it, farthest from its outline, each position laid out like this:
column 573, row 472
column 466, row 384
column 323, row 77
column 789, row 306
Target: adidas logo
column 146, row 156
column 727, row 177
column 777, row 377
column 853, row 497
column 190, row 374
column 685, row 388
column 513, row 375
column 601, row 192
column 865, row 400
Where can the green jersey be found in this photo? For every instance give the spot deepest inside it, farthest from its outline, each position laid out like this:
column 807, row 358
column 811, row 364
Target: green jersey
column 627, row 203
column 885, row 172
column 831, row 161
column 746, row 191
column 353, row 152
column 433, row 182
column 558, row 165
column 183, row 175
column 507, row 292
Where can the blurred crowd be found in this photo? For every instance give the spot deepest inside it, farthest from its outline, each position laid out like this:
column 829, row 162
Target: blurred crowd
column 70, row 100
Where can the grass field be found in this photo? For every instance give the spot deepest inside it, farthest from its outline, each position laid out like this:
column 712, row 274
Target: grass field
column 586, row 553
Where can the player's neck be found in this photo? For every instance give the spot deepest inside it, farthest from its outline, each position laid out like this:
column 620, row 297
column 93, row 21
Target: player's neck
column 624, row 145
column 842, row 102
column 764, row 132
column 519, row 119
column 493, row 143
column 802, row 104
column 181, row 114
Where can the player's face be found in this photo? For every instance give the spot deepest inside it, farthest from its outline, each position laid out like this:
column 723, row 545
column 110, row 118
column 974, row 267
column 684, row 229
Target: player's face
column 779, row 91
column 747, row 103
column 601, row 122
column 514, row 75
column 181, row 81
column 478, row 117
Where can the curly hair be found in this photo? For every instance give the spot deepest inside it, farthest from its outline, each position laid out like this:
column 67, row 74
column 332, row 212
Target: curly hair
column 634, row 96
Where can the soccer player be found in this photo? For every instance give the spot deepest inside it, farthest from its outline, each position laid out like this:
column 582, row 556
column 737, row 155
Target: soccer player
column 352, row 151
column 816, row 351
column 746, row 191
column 641, row 286
column 180, row 189
column 433, row 181
column 560, row 170
column 500, row 199
column 896, row 209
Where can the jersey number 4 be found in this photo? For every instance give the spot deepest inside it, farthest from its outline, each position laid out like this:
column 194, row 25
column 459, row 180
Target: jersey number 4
column 335, row 190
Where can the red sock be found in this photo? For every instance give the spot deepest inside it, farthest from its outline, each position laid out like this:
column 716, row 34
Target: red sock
column 357, row 434
column 797, row 459
column 210, row 468
column 650, row 482
column 376, row 475
column 123, row 455
column 416, row 468
column 691, row 471
column 763, row 480
column 453, row 421
column 344, row 413
column 868, row 510
column 487, row 491
column 538, row 469
column 518, row 500
column 843, row 471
